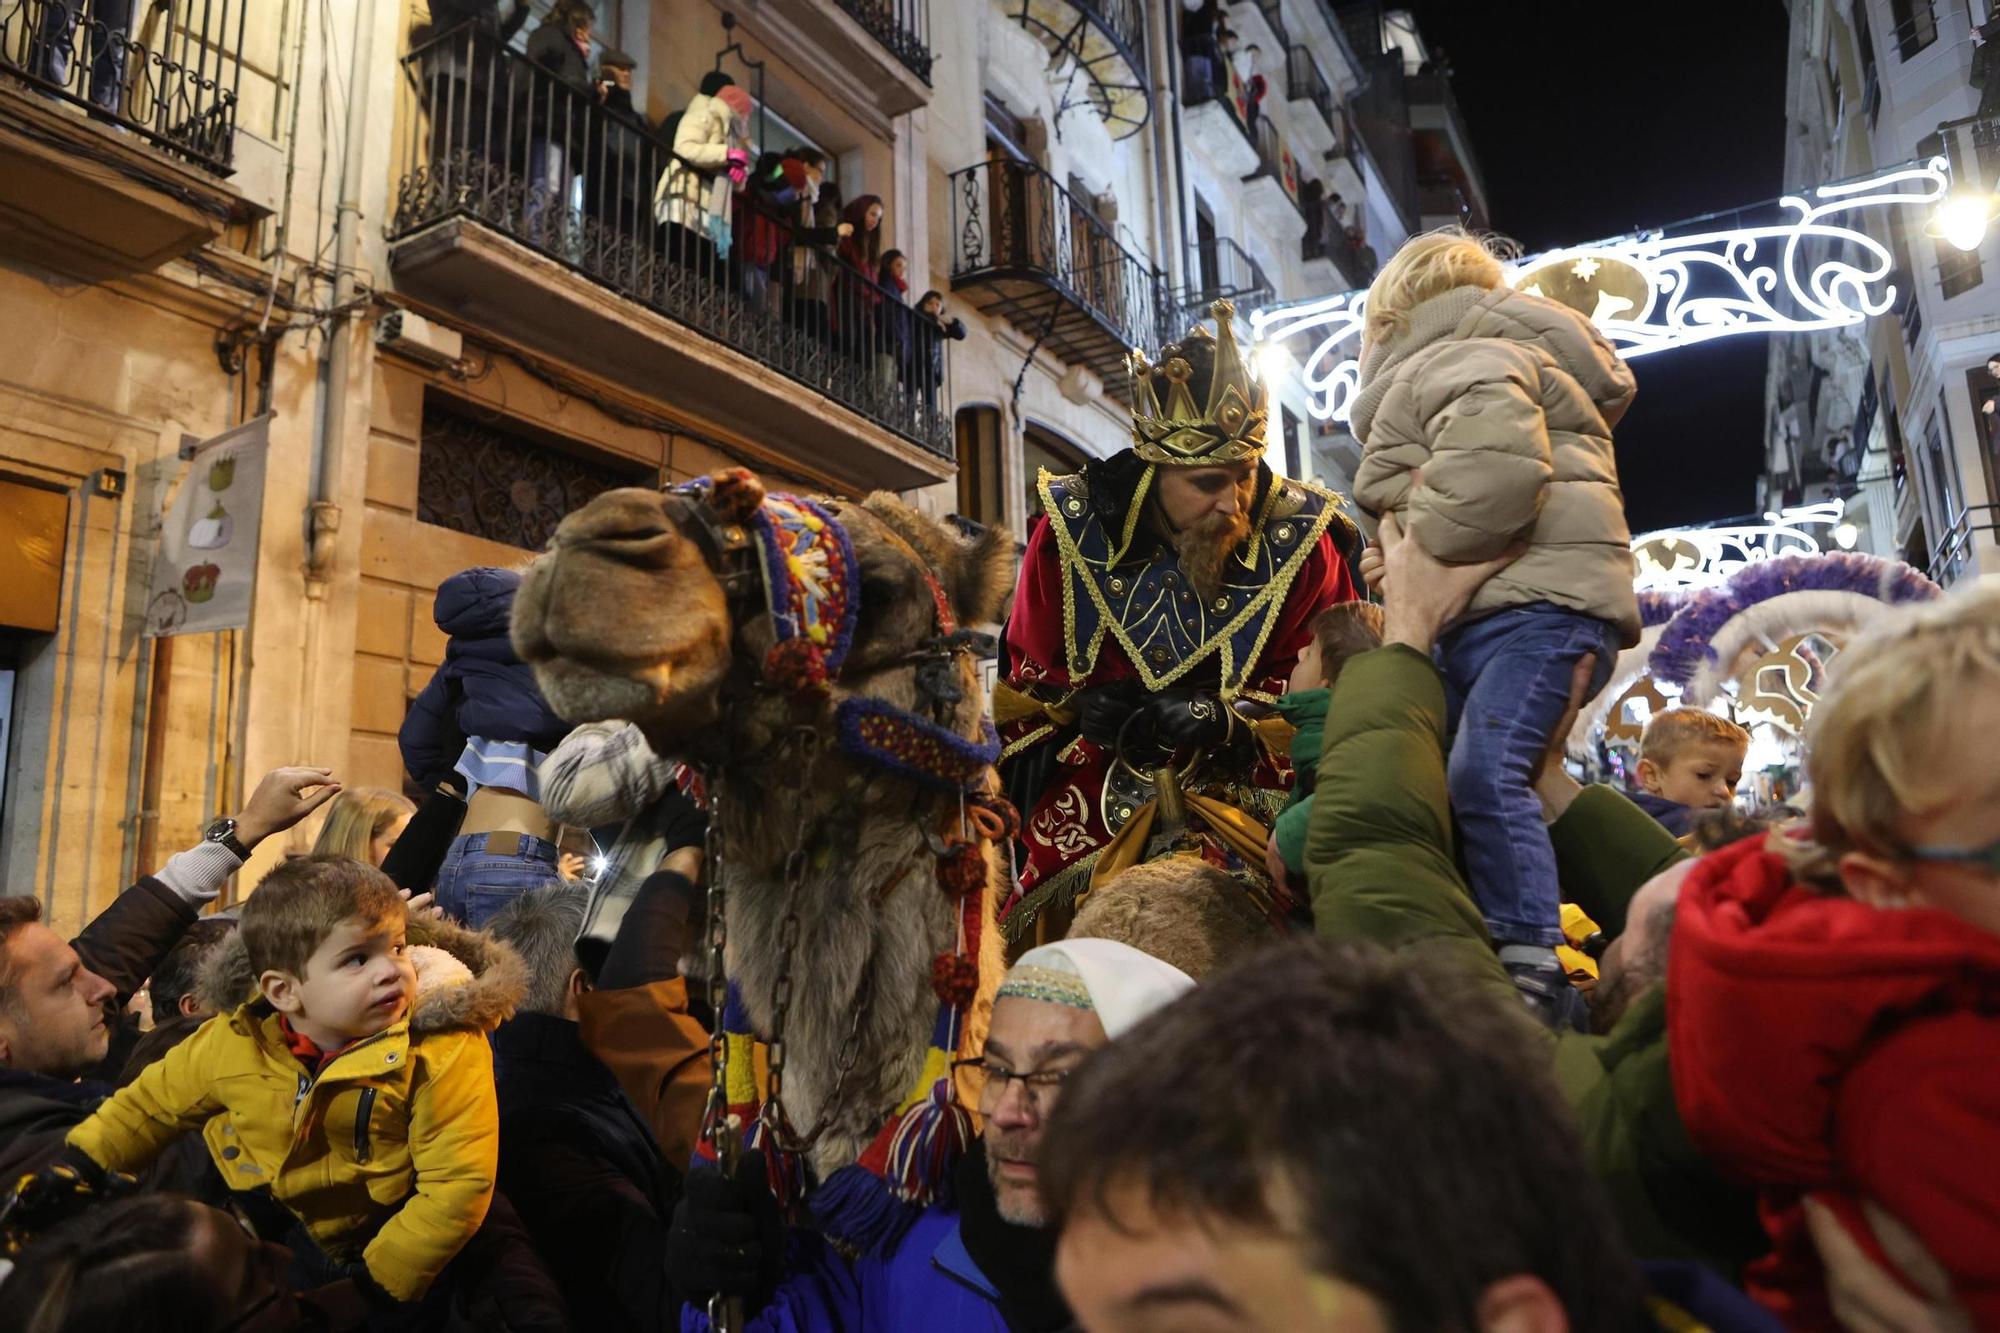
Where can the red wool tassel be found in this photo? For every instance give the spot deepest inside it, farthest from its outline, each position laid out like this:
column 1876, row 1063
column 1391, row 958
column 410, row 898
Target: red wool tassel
column 796, row 666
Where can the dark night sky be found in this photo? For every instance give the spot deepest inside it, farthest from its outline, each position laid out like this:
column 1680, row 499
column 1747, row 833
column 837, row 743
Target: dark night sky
column 1585, row 129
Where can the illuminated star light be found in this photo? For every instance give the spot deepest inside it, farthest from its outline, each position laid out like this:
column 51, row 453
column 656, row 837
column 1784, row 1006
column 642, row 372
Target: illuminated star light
column 1702, row 285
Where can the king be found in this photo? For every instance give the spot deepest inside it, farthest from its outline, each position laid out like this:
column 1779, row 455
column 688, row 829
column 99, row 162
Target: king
column 1164, row 598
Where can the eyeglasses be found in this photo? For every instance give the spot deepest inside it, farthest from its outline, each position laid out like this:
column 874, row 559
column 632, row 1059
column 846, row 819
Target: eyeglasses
column 1987, row 856
column 1039, row 1084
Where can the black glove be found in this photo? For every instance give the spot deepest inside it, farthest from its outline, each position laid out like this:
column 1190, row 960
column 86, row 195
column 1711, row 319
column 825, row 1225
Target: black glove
column 727, row 1235
column 684, row 823
column 372, row 1293
column 1178, row 720
column 69, row 1187
column 1101, row 711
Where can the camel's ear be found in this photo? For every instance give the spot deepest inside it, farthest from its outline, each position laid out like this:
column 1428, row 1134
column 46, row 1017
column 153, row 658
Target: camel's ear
column 986, row 577
column 737, row 493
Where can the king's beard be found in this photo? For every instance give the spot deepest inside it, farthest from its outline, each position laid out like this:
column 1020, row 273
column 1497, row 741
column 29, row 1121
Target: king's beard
column 1205, row 549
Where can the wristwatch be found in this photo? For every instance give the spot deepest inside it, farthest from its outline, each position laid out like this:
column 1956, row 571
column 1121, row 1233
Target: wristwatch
column 223, row 831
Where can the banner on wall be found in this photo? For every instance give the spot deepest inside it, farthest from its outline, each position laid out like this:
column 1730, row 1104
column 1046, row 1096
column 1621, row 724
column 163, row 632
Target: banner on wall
column 206, row 568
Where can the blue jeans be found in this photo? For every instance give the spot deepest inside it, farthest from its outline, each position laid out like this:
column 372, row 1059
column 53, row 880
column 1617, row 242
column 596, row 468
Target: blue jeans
column 1507, row 679
column 483, row 872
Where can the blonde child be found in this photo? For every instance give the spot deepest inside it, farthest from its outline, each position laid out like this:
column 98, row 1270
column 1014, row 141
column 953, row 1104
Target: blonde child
column 1485, row 417
column 1833, row 1012
column 1690, row 761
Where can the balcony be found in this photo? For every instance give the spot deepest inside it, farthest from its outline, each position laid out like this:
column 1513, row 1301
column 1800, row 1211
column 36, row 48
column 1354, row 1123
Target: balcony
column 1328, row 245
column 1260, row 23
column 1442, row 146
column 1106, row 40
column 1222, row 270
column 527, row 210
column 1025, row 249
column 874, row 56
column 1318, row 130
column 114, row 147
column 1217, row 123
column 1271, row 192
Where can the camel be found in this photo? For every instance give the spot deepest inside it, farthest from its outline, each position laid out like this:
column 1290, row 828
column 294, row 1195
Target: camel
column 650, row 607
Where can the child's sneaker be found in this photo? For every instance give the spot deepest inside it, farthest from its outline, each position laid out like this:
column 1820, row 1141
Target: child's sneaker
column 1545, row 986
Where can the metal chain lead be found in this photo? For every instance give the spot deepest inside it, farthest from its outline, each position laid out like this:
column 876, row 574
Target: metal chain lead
column 725, row 1313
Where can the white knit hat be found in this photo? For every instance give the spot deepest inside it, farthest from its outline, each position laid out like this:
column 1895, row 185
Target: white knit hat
column 1116, row 981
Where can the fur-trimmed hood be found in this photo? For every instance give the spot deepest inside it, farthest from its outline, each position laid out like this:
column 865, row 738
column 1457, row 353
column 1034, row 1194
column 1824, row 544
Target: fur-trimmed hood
column 488, row 998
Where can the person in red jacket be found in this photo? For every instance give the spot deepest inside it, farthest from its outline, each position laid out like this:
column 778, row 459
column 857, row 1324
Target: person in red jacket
column 1833, row 1000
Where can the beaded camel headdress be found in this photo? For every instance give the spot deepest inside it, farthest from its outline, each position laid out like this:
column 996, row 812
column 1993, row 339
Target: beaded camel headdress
column 1227, row 429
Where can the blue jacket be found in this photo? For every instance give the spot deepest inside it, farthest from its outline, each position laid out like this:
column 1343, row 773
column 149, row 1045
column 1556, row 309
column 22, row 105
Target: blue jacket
column 482, row 689
column 929, row 1282
column 1672, row 816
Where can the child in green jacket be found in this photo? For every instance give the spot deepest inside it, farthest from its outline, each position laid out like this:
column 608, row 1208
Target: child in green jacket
column 1339, row 632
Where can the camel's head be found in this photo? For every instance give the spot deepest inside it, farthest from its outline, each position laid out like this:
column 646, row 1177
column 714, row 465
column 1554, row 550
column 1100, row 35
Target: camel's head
column 651, row 607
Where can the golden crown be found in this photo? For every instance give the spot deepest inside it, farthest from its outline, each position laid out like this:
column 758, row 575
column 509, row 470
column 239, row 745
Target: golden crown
column 1231, row 427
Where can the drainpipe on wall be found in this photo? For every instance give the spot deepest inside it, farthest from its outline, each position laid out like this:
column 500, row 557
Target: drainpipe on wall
column 323, row 508
column 1166, row 48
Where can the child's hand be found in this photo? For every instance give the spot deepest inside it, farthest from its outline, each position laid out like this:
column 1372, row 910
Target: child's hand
column 421, row 906
column 1371, row 567
column 1274, row 864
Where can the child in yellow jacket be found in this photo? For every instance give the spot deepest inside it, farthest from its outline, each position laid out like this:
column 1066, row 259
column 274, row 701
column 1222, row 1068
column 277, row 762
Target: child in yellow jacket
column 356, row 1086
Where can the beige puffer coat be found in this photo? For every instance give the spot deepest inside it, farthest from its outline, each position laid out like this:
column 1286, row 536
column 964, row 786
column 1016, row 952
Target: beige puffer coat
column 686, row 196
column 1489, row 420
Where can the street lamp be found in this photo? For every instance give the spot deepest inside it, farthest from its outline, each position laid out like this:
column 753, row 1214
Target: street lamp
column 1845, row 535
column 1962, row 218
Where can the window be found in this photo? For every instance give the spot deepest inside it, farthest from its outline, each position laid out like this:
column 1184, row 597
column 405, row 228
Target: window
column 1295, row 465
column 478, row 477
column 1207, row 256
column 1006, row 133
column 1916, row 25
column 1944, row 503
column 1984, row 393
column 1864, row 45
column 981, row 476
column 1958, row 270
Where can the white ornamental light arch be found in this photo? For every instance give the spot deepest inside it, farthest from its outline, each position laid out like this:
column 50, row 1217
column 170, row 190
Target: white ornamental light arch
column 1811, row 270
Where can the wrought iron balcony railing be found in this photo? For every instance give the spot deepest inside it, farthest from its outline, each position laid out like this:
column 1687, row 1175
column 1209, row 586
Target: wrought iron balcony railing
column 168, row 73
column 1221, row 269
column 1305, row 83
column 903, row 27
column 578, row 176
column 1017, row 234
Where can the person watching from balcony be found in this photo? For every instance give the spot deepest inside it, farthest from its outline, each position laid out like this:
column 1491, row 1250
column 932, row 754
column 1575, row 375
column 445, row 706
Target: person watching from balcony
column 932, row 329
column 892, row 323
column 1201, row 24
column 110, row 36
column 817, row 230
column 555, row 117
column 711, row 160
column 466, row 39
column 855, row 293
column 613, row 158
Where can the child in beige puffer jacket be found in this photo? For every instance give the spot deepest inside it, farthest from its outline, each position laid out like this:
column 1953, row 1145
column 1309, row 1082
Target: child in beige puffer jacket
column 1485, row 416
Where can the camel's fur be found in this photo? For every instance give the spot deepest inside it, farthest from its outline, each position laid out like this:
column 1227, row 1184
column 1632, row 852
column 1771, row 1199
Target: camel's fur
column 621, row 618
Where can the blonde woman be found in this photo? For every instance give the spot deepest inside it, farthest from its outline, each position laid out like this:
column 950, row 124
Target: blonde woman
column 1485, row 418
column 363, row 823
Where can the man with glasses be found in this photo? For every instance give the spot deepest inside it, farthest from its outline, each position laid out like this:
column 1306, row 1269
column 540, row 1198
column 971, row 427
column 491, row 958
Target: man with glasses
column 984, row 1260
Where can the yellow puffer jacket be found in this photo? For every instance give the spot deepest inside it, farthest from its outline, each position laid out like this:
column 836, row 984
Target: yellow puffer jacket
column 388, row 1155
